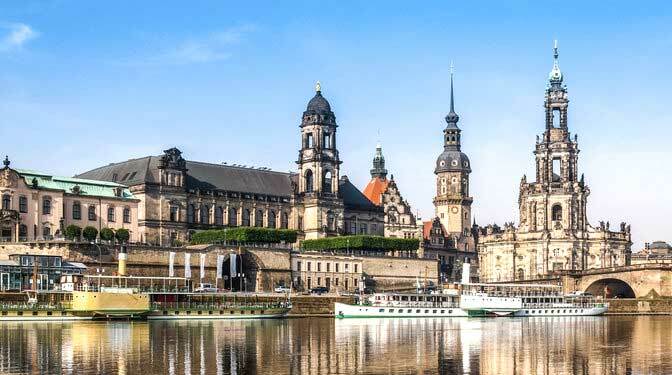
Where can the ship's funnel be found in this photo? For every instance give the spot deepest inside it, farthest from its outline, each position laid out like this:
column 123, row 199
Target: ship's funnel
column 466, row 272
column 123, row 256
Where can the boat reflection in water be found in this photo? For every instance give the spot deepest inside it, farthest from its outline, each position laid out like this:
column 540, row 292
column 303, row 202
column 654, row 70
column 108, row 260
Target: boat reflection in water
column 543, row 345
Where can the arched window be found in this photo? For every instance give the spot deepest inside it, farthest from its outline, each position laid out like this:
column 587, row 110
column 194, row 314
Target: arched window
column 521, row 274
column 271, row 219
column 191, row 210
column 284, row 221
column 246, row 218
column 6, row 202
column 331, row 223
column 219, row 216
column 556, row 212
column 110, row 214
column 259, row 218
column 233, row 217
column 46, row 206
column 174, row 213
column 326, row 182
column 205, row 214
column 76, row 211
column 326, row 141
column 309, row 181
column 127, row 215
column 92, row 213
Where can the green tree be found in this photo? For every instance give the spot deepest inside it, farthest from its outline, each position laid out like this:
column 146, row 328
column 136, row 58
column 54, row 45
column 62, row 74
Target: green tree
column 122, row 235
column 107, row 234
column 73, row 232
column 90, row 233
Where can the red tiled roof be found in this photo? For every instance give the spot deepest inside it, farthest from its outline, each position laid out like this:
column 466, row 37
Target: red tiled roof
column 375, row 188
column 426, row 228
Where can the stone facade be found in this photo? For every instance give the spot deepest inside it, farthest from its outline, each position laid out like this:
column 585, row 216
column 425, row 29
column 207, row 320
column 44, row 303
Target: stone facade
column 37, row 206
column 399, row 219
column 338, row 273
column 178, row 196
column 553, row 232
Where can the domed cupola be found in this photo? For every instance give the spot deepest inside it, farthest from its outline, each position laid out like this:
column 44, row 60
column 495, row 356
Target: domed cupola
column 452, row 159
column 319, row 109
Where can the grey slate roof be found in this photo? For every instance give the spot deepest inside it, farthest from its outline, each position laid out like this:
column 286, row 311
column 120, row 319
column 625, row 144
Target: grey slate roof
column 355, row 199
column 210, row 176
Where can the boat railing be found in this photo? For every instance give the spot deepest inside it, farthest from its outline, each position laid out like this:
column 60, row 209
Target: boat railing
column 448, row 305
column 34, row 306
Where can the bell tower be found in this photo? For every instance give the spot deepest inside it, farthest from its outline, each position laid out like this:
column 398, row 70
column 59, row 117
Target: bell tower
column 452, row 201
column 557, row 199
column 318, row 174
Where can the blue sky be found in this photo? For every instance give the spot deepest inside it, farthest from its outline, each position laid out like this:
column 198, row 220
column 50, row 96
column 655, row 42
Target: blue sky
column 84, row 84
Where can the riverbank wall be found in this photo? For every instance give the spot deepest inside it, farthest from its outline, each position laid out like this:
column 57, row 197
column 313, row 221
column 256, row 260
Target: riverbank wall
column 640, row 306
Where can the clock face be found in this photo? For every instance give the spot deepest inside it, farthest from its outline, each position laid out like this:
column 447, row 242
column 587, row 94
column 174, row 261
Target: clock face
column 454, row 209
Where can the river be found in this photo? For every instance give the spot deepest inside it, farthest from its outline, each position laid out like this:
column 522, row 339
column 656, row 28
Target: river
column 554, row 345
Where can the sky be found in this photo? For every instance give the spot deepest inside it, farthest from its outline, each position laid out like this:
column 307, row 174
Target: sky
column 84, row 84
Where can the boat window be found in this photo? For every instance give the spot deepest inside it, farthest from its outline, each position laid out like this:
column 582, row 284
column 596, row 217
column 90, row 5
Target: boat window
column 409, row 310
column 413, row 298
column 443, row 311
column 417, row 311
column 400, row 310
column 450, row 311
column 426, row 311
column 433, row 311
column 381, row 310
column 404, row 298
column 390, row 310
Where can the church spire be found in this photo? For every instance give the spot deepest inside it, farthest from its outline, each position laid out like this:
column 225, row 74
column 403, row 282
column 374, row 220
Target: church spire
column 378, row 169
column 555, row 76
column 452, row 118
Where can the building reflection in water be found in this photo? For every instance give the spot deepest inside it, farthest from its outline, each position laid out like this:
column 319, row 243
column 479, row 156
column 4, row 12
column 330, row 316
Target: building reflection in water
column 613, row 345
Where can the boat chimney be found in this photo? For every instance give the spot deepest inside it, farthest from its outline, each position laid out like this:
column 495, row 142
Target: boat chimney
column 123, row 256
column 466, row 272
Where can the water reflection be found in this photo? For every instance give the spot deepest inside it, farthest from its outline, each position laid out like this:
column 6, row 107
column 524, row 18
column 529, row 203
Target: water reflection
column 560, row 345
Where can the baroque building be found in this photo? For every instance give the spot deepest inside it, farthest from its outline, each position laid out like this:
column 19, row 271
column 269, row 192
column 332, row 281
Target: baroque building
column 178, row 196
column 399, row 219
column 553, row 232
column 38, row 206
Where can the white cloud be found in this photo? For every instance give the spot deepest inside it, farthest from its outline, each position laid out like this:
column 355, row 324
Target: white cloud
column 17, row 34
column 212, row 47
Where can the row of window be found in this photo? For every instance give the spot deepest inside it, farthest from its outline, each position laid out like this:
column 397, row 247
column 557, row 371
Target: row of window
column 327, row 281
column 76, row 209
column 92, row 216
column 337, row 266
column 204, row 216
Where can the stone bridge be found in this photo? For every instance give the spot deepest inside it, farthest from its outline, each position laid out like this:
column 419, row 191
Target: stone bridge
column 622, row 282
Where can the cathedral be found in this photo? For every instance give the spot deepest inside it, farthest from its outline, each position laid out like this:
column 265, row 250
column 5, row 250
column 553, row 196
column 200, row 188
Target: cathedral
column 553, row 232
column 179, row 196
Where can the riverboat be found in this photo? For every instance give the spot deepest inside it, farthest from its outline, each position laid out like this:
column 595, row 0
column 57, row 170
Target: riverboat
column 128, row 297
column 476, row 300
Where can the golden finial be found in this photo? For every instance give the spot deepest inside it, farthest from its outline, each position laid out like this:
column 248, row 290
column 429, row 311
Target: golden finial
column 318, row 87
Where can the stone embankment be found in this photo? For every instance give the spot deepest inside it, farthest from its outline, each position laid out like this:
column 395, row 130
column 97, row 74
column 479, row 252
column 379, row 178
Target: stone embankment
column 303, row 305
column 640, row 306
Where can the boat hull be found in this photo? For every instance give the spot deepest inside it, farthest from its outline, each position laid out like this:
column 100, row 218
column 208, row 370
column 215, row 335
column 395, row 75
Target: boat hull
column 342, row 310
column 235, row 313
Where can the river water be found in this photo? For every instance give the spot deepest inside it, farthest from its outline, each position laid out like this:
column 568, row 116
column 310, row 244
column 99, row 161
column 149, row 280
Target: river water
column 556, row 345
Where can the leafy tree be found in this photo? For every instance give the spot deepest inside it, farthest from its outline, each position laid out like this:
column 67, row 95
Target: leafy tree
column 73, row 232
column 90, row 233
column 107, row 234
column 361, row 243
column 244, row 234
column 122, row 235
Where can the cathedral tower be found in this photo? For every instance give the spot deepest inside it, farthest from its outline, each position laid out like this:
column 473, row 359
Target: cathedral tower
column 318, row 175
column 557, row 199
column 452, row 201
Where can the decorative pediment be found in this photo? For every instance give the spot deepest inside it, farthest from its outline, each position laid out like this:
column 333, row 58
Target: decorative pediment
column 172, row 159
column 8, row 177
column 77, row 190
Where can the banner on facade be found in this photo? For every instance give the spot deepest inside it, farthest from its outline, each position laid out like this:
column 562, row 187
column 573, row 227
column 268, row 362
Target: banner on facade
column 232, row 269
column 202, row 266
column 187, row 265
column 171, row 264
column 220, row 264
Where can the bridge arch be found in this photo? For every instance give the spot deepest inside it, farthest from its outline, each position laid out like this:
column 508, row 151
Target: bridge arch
column 611, row 288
